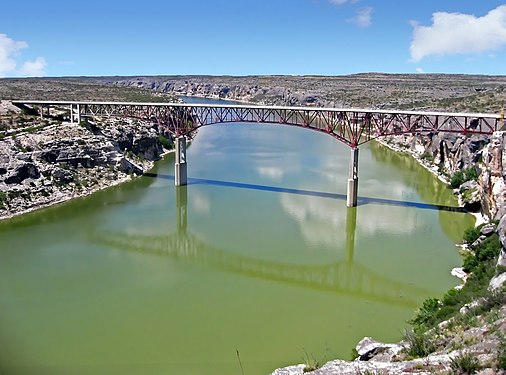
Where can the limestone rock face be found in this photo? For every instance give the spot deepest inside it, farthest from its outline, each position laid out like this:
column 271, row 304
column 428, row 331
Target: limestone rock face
column 368, row 348
column 497, row 282
column 68, row 160
column 62, row 176
column 492, row 181
column 22, row 172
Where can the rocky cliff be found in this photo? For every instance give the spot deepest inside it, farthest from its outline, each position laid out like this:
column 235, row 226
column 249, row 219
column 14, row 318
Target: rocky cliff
column 61, row 160
column 372, row 90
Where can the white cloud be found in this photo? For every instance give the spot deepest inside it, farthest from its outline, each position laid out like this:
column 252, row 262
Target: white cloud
column 35, row 68
column 457, row 33
column 9, row 51
column 341, row 2
column 420, row 70
column 363, row 17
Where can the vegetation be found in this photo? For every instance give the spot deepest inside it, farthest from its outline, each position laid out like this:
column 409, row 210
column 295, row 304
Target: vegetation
column 465, row 363
column 3, row 198
column 166, row 142
column 459, row 177
column 427, row 156
column 484, row 253
column 501, row 352
column 76, row 89
column 420, row 344
column 310, row 362
column 481, row 266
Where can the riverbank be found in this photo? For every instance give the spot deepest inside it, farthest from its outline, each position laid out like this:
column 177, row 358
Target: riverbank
column 463, row 332
column 61, row 161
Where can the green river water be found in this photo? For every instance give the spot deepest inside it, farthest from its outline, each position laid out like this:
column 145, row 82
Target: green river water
column 258, row 255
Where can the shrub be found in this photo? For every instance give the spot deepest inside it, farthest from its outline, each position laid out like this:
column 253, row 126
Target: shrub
column 485, row 251
column 426, row 313
column 470, row 263
column 501, row 352
column 459, row 177
column 465, row 363
column 310, row 362
column 166, row 142
column 419, row 344
column 472, row 234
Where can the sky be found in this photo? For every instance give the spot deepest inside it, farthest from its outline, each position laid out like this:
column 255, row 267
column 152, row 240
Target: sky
column 251, row 37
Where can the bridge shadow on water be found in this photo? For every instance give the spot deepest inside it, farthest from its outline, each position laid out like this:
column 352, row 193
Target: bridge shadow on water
column 362, row 201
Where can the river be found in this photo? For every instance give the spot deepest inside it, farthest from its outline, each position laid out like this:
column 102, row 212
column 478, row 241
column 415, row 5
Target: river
column 257, row 262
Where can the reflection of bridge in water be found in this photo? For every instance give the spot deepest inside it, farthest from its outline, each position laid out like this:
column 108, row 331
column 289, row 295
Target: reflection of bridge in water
column 343, row 277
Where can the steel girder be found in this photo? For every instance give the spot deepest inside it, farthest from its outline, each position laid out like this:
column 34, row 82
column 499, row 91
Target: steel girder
column 350, row 126
column 353, row 127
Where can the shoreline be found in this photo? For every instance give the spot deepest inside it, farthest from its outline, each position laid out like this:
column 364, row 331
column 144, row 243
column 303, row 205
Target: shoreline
column 86, row 193
column 480, row 218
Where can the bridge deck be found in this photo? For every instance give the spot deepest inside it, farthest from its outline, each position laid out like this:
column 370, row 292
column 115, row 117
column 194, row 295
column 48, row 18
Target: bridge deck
column 249, row 106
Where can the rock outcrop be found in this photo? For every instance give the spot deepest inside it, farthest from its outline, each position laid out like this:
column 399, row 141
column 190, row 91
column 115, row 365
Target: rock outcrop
column 63, row 161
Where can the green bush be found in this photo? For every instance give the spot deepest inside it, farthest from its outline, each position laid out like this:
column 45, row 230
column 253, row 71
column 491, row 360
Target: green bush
column 419, row 344
column 465, row 363
column 472, row 234
column 485, row 251
column 426, row 313
column 470, row 263
column 471, row 174
column 459, row 177
column 166, row 142
column 501, row 352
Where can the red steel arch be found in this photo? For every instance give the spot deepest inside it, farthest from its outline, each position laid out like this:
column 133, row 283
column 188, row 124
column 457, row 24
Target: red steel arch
column 351, row 126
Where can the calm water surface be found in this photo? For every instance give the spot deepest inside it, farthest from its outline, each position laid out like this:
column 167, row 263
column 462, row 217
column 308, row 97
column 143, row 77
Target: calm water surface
column 257, row 255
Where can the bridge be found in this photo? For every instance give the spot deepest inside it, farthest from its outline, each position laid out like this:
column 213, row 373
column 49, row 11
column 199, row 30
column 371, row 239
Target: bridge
column 351, row 126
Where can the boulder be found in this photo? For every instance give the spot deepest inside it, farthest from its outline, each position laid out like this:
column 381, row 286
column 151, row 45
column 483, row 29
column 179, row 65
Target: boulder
column 62, row 176
column 147, row 147
column 501, row 260
column 488, row 229
column 497, row 282
column 24, row 156
column 49, row 156
column 368, row 348
column 127, row 166
column 501, row 231
column 22, row 172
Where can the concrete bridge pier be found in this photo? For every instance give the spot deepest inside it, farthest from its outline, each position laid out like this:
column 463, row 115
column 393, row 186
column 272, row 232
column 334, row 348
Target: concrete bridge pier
column 352, row 194
column 78, row 107
column 71, row 113
column 75, row 113
column 180, row 170
column 41, row 108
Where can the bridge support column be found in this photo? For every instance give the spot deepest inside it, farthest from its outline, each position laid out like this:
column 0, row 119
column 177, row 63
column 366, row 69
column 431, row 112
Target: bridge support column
column 180, row 170
column 352, row 194
column 78, row 113
column 71, row 113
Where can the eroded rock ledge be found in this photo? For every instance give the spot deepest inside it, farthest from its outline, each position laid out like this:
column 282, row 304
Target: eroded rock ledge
column 63, row 161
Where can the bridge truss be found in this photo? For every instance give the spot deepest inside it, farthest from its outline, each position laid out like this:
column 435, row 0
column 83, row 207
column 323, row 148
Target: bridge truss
column 351, row 126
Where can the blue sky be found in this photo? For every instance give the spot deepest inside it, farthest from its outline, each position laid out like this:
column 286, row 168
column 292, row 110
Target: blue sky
column 247, row 37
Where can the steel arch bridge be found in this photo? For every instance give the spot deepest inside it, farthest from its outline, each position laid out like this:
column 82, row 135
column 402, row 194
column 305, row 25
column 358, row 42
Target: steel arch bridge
column 353, row 126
